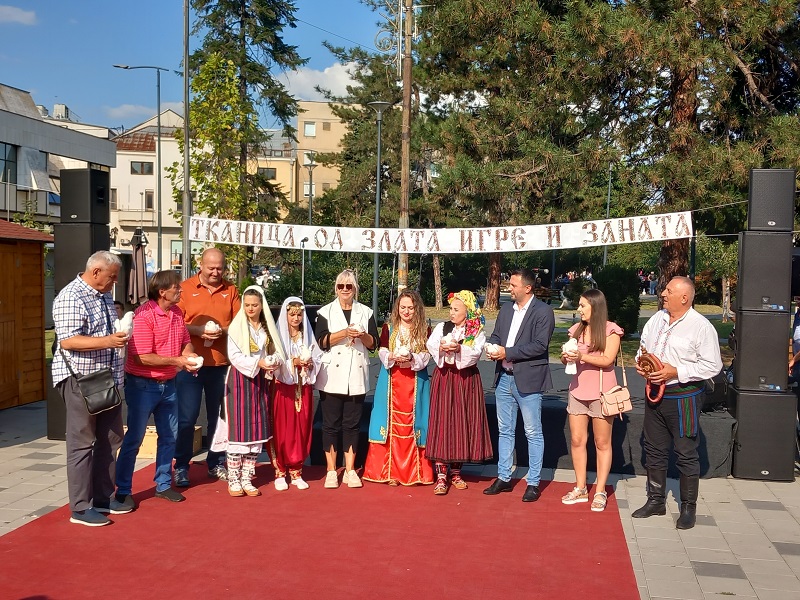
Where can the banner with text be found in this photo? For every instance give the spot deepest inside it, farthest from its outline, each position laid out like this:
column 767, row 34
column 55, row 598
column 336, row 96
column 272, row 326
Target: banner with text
column 523, row 238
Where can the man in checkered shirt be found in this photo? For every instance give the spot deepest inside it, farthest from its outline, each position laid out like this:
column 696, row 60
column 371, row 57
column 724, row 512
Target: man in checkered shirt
column 84, row 314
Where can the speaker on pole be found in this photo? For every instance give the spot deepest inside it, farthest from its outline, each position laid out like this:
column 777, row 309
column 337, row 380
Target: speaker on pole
column 84, row 196
column 766, row 435
column 74, row 244
column 771, row 200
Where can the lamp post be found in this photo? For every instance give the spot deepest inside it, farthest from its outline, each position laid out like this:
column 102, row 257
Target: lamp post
column 378, row 106
column 303, row 269
column 158, row 150
column 608, row 210
column 310, row 165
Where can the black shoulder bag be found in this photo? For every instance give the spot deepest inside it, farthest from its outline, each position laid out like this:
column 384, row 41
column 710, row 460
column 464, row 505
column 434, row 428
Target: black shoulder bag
column 98, row 389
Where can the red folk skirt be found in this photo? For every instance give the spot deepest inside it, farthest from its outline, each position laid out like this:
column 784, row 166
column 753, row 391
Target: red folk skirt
column 291, row 428
column 458, row 429
column 399, row 460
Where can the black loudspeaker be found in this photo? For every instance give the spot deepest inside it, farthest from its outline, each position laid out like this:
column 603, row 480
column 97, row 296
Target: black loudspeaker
column 766, row 436
column 765, row 271
column 74, row 244
column 84, row 196
column 762, row 353
column 771, row 200
column 795, row 272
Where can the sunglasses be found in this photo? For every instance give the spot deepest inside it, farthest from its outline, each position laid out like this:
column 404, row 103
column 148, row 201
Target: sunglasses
column 344, row 286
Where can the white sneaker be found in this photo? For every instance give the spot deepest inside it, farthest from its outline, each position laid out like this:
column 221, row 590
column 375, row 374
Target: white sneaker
column 352, row 479
column 281, row 485
column 332, row 480
column 300, row 484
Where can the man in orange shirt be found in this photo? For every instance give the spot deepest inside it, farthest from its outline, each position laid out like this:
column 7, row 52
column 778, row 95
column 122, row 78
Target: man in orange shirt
column 206, row 298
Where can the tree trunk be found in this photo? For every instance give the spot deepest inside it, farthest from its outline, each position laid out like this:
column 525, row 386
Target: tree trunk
column 673, row 261
column 726, row 298
column 492, row 300
column 437, row 280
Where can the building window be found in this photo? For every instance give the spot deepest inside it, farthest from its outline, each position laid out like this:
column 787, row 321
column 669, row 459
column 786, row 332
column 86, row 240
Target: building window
column 179, row 203
column 326, row 126
column 139, row 167
column 268, row 172
column 313, row 190
column 8, row 163
column 326, row 186
column 308, row 157
column 309, row 129
column 112, row 201
column 148, row 200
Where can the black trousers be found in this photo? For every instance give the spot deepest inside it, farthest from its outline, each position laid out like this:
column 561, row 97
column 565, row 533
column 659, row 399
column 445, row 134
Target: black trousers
column 341, row 416
column 661, row 430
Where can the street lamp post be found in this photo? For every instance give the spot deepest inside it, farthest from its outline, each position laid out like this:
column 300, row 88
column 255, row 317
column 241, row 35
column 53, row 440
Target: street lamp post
column 310, row 165
column 303, row 269
column 158, row 151
column 378, row 106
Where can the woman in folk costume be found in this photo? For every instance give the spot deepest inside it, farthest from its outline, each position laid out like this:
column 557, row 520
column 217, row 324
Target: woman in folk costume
column 458, row 430
column 255, row 352
column 292, row 401
column 398, row 426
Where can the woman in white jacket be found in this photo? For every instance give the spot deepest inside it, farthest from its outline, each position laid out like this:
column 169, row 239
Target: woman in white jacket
column 346, row 332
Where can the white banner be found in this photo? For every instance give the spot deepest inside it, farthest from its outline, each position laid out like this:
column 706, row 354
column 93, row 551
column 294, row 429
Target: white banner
column 523, row 238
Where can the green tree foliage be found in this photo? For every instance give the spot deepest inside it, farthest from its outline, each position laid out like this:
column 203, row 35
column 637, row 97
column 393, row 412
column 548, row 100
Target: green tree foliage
column 621, row 286
column 235, row 89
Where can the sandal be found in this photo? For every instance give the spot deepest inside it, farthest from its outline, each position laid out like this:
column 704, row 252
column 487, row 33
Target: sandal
column 440, row 489
column 575, row 495
column 599, row 502
column 459, row 483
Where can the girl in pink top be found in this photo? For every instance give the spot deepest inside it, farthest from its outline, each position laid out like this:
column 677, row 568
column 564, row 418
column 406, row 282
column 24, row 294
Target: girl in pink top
column 598, row 344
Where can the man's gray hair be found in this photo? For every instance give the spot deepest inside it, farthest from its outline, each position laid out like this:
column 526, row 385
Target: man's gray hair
column 689, row 284
column 102, row 258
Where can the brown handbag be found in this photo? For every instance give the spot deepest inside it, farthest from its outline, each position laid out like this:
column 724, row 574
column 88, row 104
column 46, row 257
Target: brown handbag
column 617, row 400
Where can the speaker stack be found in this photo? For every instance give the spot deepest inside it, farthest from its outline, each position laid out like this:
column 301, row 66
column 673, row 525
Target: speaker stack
column 766, row 412
column 84, row 221
column 82, row 232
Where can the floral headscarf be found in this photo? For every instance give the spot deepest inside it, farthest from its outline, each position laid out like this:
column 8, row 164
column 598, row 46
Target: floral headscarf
column 475, row 321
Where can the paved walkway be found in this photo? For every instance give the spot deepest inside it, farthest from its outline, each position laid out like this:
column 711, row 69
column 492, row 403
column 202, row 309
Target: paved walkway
column 746, row 542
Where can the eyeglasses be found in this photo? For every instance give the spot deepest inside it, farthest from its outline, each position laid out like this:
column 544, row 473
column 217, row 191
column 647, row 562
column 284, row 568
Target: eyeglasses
column 344, row 286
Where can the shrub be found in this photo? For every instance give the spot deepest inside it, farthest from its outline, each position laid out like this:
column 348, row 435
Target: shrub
column 575, row 289
column 621, row 287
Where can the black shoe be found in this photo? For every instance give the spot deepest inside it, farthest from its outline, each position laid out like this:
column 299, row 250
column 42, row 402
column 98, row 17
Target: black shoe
column 654, row 506
column 498, row 485
column 181, row 477
column 113, row 506
column 125, row 500
column 688, row 516
column 171, row 495
column 531, row 494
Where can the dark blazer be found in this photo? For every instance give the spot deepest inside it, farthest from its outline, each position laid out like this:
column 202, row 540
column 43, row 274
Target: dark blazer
column 529, row 353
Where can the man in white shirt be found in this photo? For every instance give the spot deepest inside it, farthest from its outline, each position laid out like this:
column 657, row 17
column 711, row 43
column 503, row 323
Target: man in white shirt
column 688, row 347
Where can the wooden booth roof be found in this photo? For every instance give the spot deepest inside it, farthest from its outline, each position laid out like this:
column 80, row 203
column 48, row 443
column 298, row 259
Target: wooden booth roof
column 12, row 231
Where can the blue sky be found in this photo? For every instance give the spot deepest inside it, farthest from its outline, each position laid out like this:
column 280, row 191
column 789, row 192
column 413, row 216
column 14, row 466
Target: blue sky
column 63, row 52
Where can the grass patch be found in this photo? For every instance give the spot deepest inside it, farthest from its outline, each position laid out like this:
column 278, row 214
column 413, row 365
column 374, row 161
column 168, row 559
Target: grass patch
column 49, row 338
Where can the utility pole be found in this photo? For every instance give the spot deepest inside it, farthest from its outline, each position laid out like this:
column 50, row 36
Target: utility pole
column 405, row 172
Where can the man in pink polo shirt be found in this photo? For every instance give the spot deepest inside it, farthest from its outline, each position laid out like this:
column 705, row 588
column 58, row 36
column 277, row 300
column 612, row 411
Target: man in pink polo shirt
column 159, row 347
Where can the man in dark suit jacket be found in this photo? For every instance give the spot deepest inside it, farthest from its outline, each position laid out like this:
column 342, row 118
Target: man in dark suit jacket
column 521, row 334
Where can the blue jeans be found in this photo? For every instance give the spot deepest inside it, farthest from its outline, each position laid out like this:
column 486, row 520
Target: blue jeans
column 508, row 399
column 210, row 380
column 145, row 397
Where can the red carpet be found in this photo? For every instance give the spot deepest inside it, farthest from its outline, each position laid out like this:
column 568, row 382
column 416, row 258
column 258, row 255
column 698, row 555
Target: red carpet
column 376, row 542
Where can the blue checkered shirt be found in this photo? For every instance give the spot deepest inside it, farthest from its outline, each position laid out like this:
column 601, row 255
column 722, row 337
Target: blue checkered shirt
column 79, row 309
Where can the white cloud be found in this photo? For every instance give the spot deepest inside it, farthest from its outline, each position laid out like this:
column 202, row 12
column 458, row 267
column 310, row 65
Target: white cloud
column 301, row 83
column 127, row 112
column 12, row 14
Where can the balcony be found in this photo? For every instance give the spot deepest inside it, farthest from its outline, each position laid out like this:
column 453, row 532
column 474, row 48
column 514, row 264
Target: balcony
column 132, row 218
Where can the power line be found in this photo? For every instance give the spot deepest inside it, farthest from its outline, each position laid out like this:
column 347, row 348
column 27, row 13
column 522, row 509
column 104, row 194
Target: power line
column 337, row 35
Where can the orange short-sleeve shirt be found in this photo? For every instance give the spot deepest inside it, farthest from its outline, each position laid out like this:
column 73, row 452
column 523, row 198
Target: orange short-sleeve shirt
column 200, row 304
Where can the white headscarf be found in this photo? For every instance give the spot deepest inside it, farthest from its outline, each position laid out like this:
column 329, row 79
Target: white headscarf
column 239, row 330
column 308, row 333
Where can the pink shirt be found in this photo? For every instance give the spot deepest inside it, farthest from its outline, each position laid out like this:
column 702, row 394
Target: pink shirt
column 585, row 384
column 156, row 332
